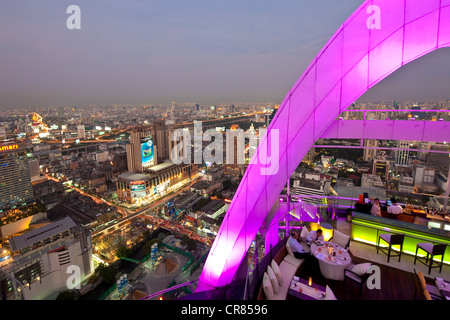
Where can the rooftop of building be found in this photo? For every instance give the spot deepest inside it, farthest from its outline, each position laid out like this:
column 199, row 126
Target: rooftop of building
column 24, row 240
column 133, row 176
column 162, row 166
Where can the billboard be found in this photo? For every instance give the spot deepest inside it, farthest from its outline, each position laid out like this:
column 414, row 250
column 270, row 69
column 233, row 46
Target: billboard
column 147, row 152
column 137, row 189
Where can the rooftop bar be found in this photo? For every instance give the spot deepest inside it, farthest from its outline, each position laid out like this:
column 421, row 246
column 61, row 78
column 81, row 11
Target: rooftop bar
column 366, row 228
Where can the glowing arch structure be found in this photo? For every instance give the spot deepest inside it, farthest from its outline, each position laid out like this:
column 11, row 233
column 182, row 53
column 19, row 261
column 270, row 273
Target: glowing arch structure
column 379, row 37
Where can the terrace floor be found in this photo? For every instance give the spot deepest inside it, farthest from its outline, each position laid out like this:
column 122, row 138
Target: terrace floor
column 397, row 278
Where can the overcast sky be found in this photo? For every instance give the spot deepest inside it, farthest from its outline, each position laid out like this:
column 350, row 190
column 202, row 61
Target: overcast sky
column 202, row 51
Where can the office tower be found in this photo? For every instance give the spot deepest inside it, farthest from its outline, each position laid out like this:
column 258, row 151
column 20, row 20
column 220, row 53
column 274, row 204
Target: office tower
column 81, row 132
column 163, row 141
column 402, row 156
column 141, row 153
column 15, row 179
column 395, row 105
column 381, row 168
column 370, row 154
column 46, row 261
column 439, row 161
column 235, row 151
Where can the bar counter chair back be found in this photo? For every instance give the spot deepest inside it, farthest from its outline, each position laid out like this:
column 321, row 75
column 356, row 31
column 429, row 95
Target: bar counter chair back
column 391, row 240
column 431, row 251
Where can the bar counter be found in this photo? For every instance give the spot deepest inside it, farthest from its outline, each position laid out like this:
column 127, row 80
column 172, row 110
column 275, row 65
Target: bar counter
column 366, row 228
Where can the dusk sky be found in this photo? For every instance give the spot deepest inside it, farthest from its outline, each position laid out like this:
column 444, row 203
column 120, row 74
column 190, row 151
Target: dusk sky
column 143, row 52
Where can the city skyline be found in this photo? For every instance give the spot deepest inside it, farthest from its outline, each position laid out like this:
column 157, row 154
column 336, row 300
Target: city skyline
column 152, row 53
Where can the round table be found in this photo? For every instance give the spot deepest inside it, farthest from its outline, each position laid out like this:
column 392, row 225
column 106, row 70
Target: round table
column 331, row 266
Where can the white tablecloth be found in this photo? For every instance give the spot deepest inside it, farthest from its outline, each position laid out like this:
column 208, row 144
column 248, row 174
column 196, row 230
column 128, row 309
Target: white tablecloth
column 332, row 267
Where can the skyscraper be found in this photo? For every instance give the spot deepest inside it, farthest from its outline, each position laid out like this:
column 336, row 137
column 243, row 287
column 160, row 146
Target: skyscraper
column 402, row 156
column 141, row 153
column 81, row 131
column 15, row 180
column 163, row 141
column 370, row 154
column 439, row 161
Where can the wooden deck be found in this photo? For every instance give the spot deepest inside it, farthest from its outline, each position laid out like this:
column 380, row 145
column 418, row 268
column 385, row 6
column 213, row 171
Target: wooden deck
column 396, row 284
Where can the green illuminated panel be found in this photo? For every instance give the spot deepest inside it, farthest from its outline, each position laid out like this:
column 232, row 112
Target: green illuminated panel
column 365, row 228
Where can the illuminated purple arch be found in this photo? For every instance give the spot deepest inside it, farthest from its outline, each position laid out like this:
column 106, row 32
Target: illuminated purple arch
column 355, row 59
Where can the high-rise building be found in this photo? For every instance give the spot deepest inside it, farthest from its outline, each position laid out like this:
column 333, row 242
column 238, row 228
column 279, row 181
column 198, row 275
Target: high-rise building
column 81, row 132
column 396, row 105
column 141, row 152
column 402, row 156
column 369, row 153
column 381, row 168
column 163, row 141
column 235, row 151
column 15, row 178
column 440, row 161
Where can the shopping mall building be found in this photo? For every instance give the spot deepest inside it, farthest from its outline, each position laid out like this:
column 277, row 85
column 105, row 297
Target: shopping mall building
column 143, row 188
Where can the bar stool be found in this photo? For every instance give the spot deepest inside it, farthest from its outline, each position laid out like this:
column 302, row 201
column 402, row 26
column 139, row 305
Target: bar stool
column 392, row 240
column 431, row 250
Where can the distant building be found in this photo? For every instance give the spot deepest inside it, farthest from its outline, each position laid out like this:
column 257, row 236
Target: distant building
column 381, row 168
column 314, row 189
column 371, row 180
column 34, row 168
column 402, row 156
column 163, row 141
column 235, row 151
column 2, row 134
column 406, row 183
column 424, row 175
column 440, row 161
column 81, row 132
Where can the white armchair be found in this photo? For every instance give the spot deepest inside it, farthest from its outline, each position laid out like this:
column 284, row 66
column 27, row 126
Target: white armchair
column 341, row 239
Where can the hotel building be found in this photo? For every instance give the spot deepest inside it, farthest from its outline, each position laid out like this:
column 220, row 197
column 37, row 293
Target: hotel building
column 15, row 179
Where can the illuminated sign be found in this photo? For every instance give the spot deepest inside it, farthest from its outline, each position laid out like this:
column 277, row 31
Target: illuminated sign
column 147, row 152
column 137, row 189
column 10, row 147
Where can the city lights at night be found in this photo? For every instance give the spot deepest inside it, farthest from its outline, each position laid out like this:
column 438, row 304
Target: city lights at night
column 207, row 158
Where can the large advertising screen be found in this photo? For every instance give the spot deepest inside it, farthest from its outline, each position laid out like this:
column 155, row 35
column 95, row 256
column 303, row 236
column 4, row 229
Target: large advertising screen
column 137, row 189
column 147, row 152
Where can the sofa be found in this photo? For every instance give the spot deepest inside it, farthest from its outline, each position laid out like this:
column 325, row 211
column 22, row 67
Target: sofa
column 279, row 272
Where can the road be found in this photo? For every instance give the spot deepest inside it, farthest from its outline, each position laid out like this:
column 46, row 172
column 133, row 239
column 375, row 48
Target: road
column 172, row 225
